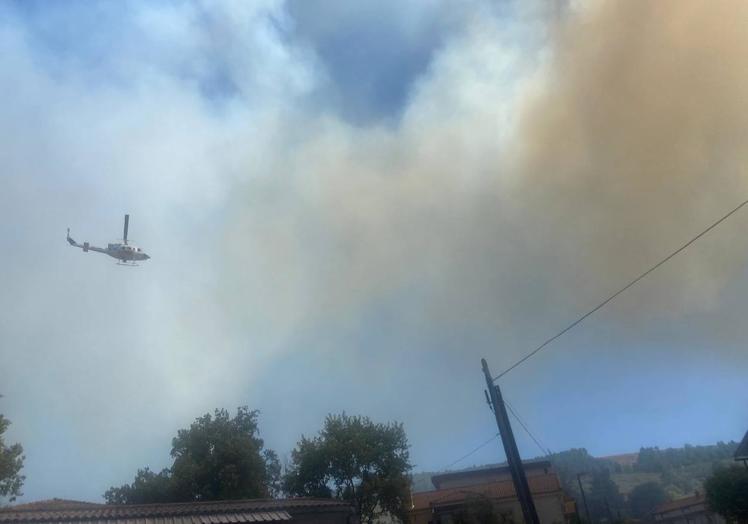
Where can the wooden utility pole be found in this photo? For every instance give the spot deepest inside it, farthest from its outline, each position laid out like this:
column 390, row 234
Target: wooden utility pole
column 510, row 449
column 584, row 498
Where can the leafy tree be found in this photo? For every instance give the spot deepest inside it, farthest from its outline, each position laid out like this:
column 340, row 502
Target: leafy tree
column 217, row 458
column 727, row 493
column 147, row 488
column 571, row 462
column 356, row 460
column 11, row 462
column 604, row 499
column 644, row 498
column 273, row 472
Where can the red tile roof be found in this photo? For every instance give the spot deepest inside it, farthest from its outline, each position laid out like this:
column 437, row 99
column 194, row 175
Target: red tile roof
column 218, row 512
column 682, row 503
column 497, row 490
column 476, row 473
column 53, row 504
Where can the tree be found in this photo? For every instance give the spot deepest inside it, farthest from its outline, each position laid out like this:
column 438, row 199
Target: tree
column 356, row 460
column 656, row 460
column 644, row 498
column 604, row 499
column 11, row 462
column 147, row 488
column 727, row 493
column 217, row 458
column 568, row 464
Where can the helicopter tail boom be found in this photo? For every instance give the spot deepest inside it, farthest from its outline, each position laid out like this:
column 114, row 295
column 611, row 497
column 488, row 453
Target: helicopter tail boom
column 71, row 241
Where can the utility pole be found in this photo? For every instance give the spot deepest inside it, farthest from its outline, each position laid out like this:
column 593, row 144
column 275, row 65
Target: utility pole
column 510, row 449
column 584, row 498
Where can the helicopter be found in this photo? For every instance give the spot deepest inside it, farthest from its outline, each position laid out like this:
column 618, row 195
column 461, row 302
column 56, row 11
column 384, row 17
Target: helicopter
column 126, row 254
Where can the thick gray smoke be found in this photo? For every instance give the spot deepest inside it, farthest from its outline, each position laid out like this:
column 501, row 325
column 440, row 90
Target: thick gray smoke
column 517, row 183
column 306, row 261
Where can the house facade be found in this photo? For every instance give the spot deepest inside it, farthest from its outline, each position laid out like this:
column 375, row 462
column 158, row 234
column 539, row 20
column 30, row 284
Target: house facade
column 464, row 491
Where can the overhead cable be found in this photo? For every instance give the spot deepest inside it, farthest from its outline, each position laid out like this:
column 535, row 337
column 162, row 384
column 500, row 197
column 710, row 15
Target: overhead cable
column 486, row 443
column 614, row 295
column 543, row 449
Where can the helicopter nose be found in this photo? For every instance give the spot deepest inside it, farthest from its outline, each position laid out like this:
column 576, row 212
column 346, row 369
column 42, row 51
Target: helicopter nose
column 146, row 256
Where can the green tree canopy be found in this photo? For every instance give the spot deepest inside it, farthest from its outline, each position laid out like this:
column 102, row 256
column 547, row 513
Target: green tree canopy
column 656, row 460
column 604, row 499
column 217, row 458
column 571, row 462
column 644, row 498
column 147, row 488
column 11, row 462
column 356, row 460
column 727, row 493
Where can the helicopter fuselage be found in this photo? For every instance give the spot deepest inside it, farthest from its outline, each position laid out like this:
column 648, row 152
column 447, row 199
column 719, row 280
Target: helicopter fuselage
column 123, row 251
column 126, row 252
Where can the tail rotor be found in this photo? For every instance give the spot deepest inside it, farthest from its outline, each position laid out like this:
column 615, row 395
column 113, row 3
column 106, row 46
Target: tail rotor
column 70, row 240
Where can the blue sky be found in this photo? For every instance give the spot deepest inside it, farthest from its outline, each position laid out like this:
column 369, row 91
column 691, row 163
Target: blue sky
column 348, row 207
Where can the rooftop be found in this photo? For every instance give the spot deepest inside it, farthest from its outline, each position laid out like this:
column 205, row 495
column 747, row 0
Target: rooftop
column 477, row 473
column 215, row 512
column 495, row 490
column 681, row 504
column 52, row 504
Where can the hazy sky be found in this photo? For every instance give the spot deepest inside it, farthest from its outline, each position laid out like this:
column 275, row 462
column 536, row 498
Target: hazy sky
column 348, row 204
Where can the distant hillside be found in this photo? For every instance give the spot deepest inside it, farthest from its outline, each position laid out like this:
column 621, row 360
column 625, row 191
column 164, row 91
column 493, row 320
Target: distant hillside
column 680, row 471
column 624, row 459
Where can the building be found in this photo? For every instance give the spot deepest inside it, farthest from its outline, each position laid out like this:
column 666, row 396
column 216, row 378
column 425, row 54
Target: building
column 301, row 510
column 455, row 492
column 687, row 510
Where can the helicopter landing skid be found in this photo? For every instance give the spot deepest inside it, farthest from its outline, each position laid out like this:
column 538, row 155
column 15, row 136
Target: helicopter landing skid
column 128, row 264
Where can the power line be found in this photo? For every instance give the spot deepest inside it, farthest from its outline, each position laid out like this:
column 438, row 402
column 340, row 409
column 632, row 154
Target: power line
column 543, row 449
column 614, row 295
column 486, row 443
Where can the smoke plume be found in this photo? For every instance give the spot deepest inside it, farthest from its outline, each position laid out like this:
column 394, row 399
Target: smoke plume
column 510, row 191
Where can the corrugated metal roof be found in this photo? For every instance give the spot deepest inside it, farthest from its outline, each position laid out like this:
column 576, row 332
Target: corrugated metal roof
column 254, row 516
column 51, row 504
column 681, row 504
column 219, row 512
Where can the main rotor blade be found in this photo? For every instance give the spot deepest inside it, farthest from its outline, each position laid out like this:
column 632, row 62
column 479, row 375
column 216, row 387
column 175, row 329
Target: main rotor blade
column 127, row 223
